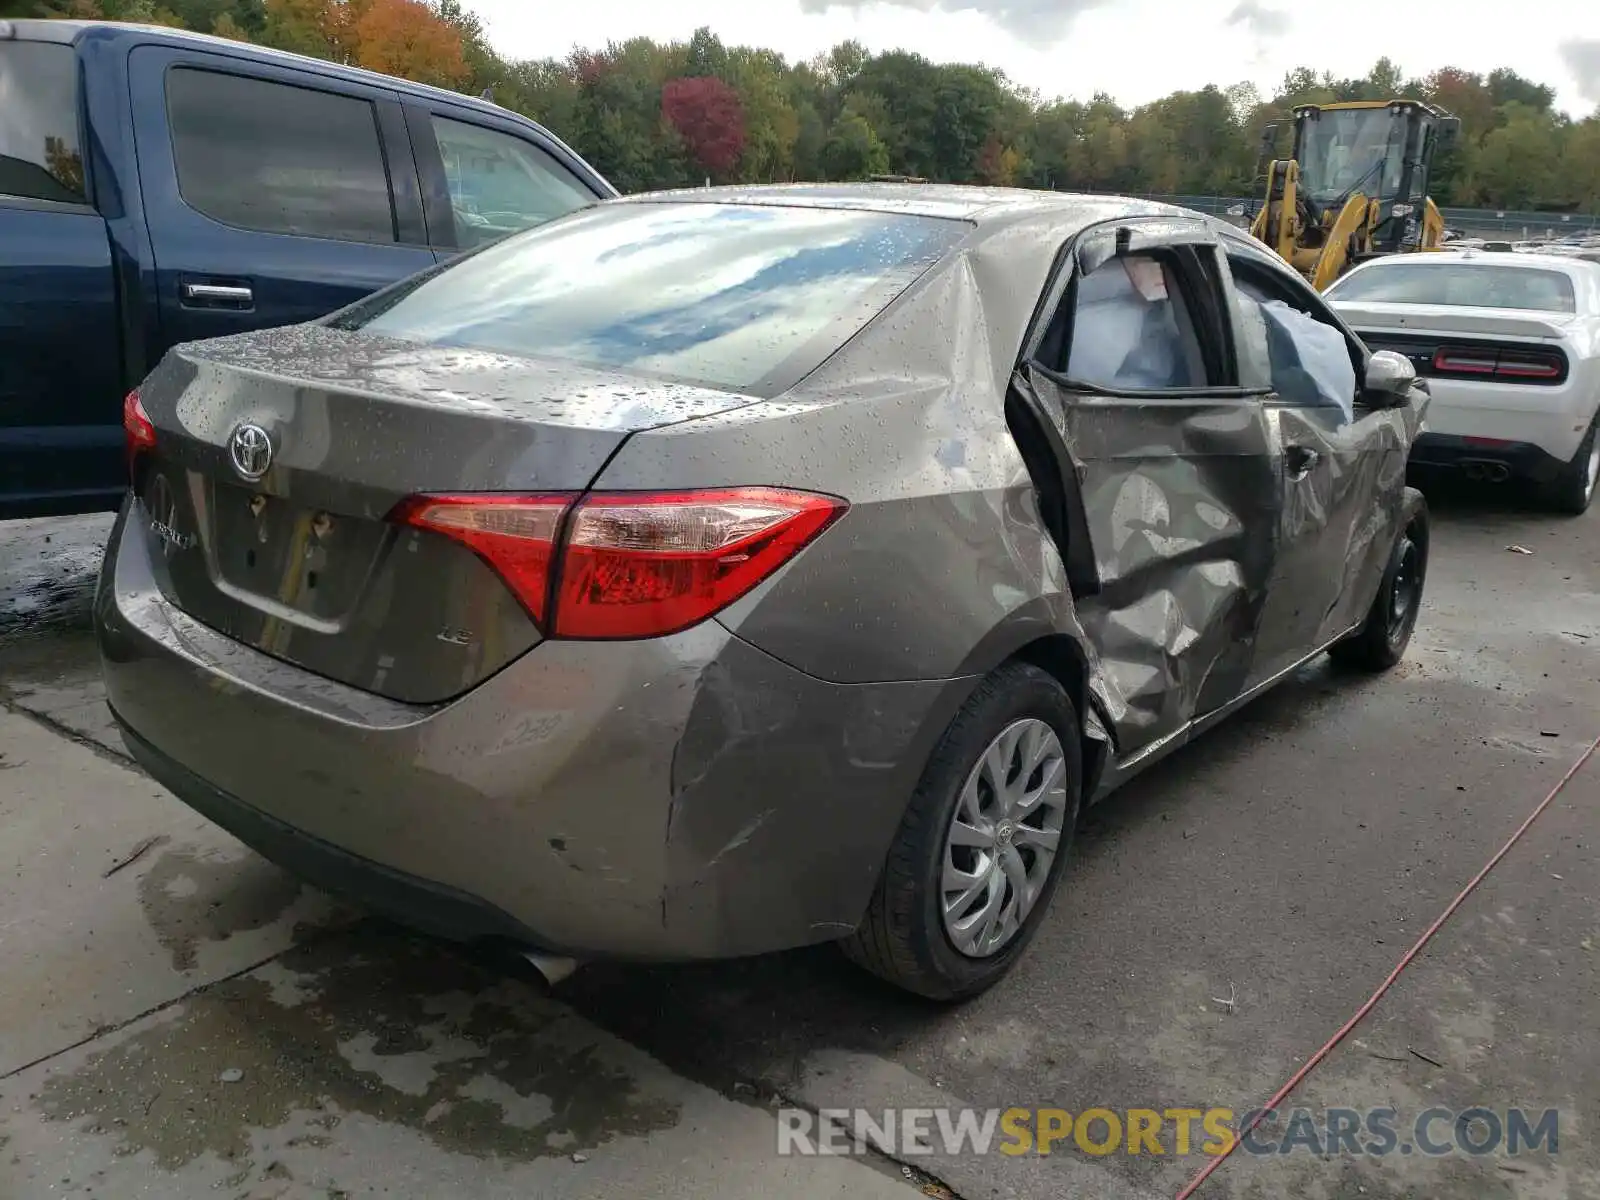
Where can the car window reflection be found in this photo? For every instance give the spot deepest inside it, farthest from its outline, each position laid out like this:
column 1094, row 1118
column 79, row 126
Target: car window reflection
column 718, row 294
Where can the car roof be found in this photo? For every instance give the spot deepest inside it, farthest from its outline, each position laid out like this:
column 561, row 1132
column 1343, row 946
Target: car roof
column 982, row 206
column 71, row 32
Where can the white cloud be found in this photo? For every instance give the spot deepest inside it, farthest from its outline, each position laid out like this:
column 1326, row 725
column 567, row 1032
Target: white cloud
column 1136, row 50
column 1033, row 20
column 1583, row 61
column 1260, row 20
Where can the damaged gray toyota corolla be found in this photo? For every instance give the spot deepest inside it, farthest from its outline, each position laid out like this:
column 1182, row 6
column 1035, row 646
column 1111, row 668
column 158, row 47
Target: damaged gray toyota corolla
column 709, row 573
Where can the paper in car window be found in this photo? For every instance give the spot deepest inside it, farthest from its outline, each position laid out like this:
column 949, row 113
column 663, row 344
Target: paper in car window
column 1147, row 277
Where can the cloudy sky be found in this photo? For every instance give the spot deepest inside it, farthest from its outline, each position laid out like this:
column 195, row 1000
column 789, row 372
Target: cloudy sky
column 1134, row 49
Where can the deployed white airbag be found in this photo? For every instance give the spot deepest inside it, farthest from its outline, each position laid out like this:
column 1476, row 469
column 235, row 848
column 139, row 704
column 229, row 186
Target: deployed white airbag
column 1325, row 375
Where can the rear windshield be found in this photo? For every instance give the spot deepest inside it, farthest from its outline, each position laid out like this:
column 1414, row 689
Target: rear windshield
column 39, row 154
column 1466, row 285
column 745, row 298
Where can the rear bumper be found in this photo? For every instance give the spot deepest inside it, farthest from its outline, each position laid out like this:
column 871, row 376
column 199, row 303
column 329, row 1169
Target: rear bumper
column 1550, row 421
column 687, row 797
column 1524, row 460
column 431, row 907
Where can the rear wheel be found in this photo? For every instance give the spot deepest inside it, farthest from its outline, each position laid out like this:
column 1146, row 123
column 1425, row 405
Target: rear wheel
column 982, row 843
column 1381, row 641
column 1573, row 489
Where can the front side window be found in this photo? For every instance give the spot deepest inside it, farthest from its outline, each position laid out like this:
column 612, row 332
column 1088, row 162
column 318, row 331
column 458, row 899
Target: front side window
column 500, row 184
column 1466, row 285
column 39, row 153
column 745, row 298
column 277, row 158
column 1132, row 330
column 1311, row 361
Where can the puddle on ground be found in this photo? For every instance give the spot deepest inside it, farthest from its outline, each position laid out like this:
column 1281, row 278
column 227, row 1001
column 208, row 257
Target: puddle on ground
column 48, row 569
column 190, row 897
column 402, row 1031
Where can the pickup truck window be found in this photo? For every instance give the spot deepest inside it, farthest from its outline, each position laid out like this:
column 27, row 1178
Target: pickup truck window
column 39, row 154
column 277, row 158
column 500, row 184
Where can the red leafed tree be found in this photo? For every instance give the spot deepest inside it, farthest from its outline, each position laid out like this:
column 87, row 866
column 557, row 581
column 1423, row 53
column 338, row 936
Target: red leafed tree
column 707, row 114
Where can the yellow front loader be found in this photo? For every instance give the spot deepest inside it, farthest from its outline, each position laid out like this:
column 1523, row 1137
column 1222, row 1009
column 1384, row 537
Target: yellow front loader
column 1355, row 187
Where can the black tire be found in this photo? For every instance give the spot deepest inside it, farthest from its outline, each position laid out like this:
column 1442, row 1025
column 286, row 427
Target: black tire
column 1572, row 491
column 1381, row 641
column 902, row 939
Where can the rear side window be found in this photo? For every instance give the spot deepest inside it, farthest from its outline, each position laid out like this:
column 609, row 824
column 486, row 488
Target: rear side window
column 500, row 184
column 1469, row 285
column 39, row 154
column 745, row 298
column 279, row 159
column 1132, row 330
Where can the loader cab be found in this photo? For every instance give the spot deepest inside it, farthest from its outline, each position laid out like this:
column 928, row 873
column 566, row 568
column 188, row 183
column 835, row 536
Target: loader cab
column 1379, row 149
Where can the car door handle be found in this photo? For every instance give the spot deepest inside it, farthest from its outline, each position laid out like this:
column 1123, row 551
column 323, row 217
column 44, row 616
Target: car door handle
column 1298, row 461
column 218, row 295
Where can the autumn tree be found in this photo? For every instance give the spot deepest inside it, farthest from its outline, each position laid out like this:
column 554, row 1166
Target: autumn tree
column 397, row 37
column 708, row 116
column 405, row 38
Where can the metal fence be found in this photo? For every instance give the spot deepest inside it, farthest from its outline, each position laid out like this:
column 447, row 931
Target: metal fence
column 1475, row 222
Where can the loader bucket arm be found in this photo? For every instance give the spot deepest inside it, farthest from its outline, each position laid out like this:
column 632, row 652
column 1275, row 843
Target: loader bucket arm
column 1349, row 229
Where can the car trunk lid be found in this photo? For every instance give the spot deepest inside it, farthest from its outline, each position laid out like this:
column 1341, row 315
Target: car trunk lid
column 1498, row 323
column 279, row 458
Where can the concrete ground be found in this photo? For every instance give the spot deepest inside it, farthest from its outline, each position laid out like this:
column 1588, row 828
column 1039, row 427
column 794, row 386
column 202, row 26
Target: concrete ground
column 194, row 1021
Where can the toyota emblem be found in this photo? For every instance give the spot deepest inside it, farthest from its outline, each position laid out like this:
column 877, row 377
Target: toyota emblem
column 251, row 451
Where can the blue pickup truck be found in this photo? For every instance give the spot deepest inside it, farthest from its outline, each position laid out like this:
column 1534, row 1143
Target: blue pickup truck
column 159, row 187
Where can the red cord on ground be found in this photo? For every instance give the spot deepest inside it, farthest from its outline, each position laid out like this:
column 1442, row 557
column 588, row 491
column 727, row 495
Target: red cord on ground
column 1298, row 1077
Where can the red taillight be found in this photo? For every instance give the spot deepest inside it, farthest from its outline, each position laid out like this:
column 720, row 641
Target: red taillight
column 516, row 535
column 1490, row 362
column 642, row 565
column 1529, row 366
column 1463, row 362
column 139, row 435
column 630, row 564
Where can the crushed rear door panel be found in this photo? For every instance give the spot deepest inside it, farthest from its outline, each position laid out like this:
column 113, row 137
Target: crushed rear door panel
column 1179, row 504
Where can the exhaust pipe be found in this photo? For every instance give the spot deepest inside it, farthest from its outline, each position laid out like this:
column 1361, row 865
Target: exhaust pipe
column 1486, row 470
column 551, row 966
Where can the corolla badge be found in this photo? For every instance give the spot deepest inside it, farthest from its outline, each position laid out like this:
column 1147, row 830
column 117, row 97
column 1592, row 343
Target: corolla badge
column 250, row 449
column 163, row 507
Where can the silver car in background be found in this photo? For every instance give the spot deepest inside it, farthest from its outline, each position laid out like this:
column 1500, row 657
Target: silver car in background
column 715, row 572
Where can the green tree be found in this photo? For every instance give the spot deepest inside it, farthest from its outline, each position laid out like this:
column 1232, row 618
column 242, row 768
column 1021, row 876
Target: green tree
column 1516, row 164
column 853, row 150
column 1507, row 87
column 849, row 113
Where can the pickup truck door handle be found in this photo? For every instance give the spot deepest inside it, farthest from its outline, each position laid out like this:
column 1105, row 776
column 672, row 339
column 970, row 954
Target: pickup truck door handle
column 217, row 295
column 1299, row 460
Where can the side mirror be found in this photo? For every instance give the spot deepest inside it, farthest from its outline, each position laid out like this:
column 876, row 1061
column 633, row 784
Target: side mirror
column 1390, row 377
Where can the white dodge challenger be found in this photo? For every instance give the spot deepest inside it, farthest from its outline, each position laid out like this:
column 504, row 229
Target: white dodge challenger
column 1510, row 347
